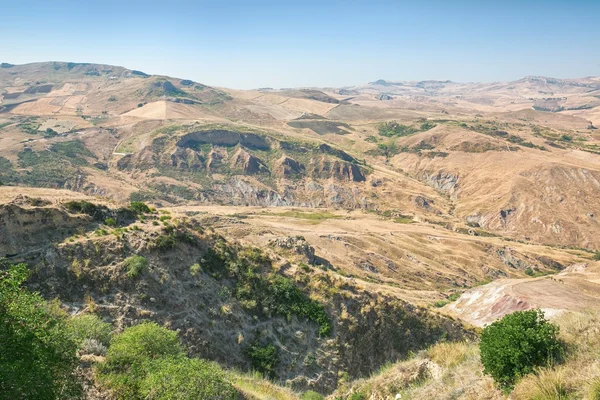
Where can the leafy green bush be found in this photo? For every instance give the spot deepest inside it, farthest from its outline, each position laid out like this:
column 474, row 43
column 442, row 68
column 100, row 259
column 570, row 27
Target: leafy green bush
column 264, row 359
column 312, row 395
column 165, row 242
column 195, row 269
column 88, row 326
column 390, row 129
column 517, row 344
column 183, row 378
column 125, row 366
column 110, row 221
column 85, row 207
column 135, row 265
column 597, row 256
column 425, row 126
column 37, row 352
column 140, row 207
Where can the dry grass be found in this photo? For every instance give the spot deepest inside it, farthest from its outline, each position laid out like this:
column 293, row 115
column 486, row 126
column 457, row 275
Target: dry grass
column 547, row 384
column 579, row 376
column 254, row 387
column 449, row 354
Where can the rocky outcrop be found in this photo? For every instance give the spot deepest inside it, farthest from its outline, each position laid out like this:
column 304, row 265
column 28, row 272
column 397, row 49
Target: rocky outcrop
column 325, row 168
column 216, row 159
column 287, row 167
column 27, row 227
column 187, row 159
column 143, row 160
column 442, row 180
column 248, row 163
column 296, row 244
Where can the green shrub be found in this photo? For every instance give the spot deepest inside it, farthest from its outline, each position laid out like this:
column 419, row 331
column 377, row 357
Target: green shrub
column 312, row 395
column 139, row 207
column 517, row 344
column 267, row 294
column 135, row 265
column 85, row 207
column 125, row 366
column 454, row 296
column 264, row 359
column 183, row 378
column 195, row 269
column 88, row 326
column 110, row 222
column 425, row 126
column 597, row 256
column 165, row 242
column 37, row 352
column 390, row 129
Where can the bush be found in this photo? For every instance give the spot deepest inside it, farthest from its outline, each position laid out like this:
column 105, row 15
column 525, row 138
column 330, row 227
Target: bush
column 110, row 222
column 37, row 352
column 92, row 346
column 165, row 242
column 195, row 269
column 517, row 344
column 264, row 359
column 129, row 353
column 140, row 207
column 597, row 256
column 135, row 265
column 183, row 378
column 312, row 395
column 89, row 326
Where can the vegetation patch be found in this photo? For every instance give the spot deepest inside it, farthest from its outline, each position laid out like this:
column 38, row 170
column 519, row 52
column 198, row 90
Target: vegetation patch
column 135, row 265
column 322, row 127
column 311, row 216
column 264, row 359
column 38, row 358
column 264, row 294
column 517, row 344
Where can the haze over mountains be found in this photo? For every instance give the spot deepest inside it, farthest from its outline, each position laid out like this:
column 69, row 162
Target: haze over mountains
column 396, row 195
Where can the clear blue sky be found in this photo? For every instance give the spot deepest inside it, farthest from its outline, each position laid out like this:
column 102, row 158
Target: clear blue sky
column 249, row 44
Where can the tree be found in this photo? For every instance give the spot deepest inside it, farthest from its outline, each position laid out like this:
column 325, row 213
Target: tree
column 37, row 351
column 517, row 344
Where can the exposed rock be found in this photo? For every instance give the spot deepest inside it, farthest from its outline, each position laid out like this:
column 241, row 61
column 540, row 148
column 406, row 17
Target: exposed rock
column 423, row 202
column 248, row 163
column 297, row 244
column 216, row 158
column 442, row 180
column 288, row 167
column 187, row 159
column 143, row 160
column 343, row 171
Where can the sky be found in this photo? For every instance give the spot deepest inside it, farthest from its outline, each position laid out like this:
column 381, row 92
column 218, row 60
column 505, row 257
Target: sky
column 251, row 44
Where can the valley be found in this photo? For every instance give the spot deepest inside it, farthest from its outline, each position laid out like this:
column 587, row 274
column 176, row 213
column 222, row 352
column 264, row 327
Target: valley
column 349, row 228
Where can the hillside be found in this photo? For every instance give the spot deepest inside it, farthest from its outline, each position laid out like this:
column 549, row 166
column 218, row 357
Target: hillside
column 399, row 213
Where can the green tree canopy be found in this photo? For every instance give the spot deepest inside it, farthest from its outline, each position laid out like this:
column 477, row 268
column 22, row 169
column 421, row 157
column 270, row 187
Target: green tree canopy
column 37, row 351
column 518, row 343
